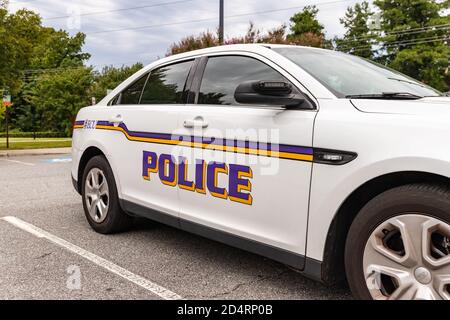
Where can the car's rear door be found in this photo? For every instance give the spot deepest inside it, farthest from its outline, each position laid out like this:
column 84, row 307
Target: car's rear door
column 144, row 119
column 250, row 176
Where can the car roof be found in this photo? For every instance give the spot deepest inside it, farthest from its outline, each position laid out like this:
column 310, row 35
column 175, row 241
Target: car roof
column 248, row 47
column 237, row 47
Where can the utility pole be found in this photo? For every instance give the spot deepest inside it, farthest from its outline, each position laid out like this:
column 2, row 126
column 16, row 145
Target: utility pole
column 221, row 22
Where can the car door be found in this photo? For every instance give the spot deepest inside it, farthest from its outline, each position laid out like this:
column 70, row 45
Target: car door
column 250, row 176
column 144, row 118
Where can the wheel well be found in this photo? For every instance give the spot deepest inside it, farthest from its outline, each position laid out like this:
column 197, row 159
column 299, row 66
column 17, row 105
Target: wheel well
column 88, row 154
column 333, row 269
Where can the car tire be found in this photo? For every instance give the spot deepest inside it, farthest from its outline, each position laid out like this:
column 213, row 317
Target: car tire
column 381, row 255
column 100, row 199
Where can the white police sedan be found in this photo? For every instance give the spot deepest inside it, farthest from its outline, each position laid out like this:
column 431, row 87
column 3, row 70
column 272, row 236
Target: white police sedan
column 323, row 161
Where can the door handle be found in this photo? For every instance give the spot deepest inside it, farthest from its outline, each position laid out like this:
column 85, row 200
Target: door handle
column 197, row 122
column 116, row 120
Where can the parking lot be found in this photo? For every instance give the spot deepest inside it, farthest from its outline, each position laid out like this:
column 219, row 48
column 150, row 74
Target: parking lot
column 48, row 251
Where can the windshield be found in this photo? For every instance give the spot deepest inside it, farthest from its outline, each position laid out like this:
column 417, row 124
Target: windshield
column 347, row 75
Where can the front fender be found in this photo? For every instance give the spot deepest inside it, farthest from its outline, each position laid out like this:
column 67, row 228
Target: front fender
column 332, row 185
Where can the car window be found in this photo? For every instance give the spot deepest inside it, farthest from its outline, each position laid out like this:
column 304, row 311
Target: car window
column 166, row 85
column 132, row 94
column 347, row 75
column 114, row 101
column 225, row 73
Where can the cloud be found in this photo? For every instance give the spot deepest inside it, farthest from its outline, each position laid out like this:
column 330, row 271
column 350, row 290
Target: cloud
column 147, row 44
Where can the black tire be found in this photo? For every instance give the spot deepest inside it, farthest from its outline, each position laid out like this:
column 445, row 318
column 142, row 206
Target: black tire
column 430, row 200
column 116, row 219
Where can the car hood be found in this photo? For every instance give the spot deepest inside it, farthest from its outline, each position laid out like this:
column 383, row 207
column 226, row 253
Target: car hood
column 433, row 106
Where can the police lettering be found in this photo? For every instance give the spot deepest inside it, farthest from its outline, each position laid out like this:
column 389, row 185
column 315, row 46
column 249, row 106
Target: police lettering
column 173, row 172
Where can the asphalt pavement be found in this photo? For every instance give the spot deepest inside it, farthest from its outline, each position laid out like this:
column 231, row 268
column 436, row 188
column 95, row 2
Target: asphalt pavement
column 48, row 250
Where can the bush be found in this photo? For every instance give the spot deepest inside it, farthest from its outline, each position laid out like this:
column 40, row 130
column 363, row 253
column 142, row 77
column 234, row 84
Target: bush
column 46, row 134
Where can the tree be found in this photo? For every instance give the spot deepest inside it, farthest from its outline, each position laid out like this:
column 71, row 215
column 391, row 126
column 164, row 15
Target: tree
column 204, row 40
column 59, row 96
column 208, row 39
column 276, row 35
column 27, row 52
column 109, row 78
column 19, row 33
column 306, row 30
column 411, row 43
column 57, row 49
column 306, row 22
column 358, row 38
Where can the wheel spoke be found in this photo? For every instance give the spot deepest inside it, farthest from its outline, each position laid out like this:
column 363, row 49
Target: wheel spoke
column 444, row 268
column 89, row 190
column 440, row 265
column 425, row 293
column 103, row 188
column 92, row 179
column 442, row 285
column 383, row 258
column 411, row 230
column 96, row 179
column 92, row 208
column 101, row 208
column 404, row 292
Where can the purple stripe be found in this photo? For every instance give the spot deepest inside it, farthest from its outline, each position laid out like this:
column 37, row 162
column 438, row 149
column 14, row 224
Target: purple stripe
column 295, row 149
column 215, row 141
column 79, row 123
column 104, row 123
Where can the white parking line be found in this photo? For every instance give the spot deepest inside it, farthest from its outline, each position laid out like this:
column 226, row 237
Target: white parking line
column 20, row 162
column 108, row 265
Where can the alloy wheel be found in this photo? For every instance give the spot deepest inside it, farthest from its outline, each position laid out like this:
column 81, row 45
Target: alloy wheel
column 97, row 195
column 408, row 257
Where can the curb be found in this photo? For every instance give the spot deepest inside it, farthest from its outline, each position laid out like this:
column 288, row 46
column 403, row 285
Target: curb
column 34, row 152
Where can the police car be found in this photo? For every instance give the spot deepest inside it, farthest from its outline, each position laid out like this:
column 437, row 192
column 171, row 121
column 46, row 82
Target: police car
column 326, row 162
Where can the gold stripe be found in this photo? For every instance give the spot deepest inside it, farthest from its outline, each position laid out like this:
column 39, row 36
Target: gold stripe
column 275, row 154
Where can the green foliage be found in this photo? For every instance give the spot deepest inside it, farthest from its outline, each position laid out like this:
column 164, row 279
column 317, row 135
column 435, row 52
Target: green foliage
column 19, row 33
column 306, row 22
column 57, row 49
column 2, row 112
column 411, row 45
column 358, row 38
column 306, row 30
column 109, row 78
column 59, row 96
column 33, row 59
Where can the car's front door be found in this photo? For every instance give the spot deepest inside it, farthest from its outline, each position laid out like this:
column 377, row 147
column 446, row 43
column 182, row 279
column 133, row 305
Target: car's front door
column 250, row 169
column 147, row 115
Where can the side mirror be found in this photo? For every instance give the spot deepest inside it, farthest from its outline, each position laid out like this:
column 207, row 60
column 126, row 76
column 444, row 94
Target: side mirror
column 279, row 93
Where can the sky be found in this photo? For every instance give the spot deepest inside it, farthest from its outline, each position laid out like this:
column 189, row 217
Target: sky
column 120, row 32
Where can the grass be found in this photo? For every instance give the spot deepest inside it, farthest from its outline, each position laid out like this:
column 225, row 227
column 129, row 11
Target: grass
column 39, row 143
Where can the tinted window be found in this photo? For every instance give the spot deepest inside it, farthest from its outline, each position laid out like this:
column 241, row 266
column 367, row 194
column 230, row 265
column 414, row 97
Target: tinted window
column 132, row 94
column 167, row 84
column 223, row 75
